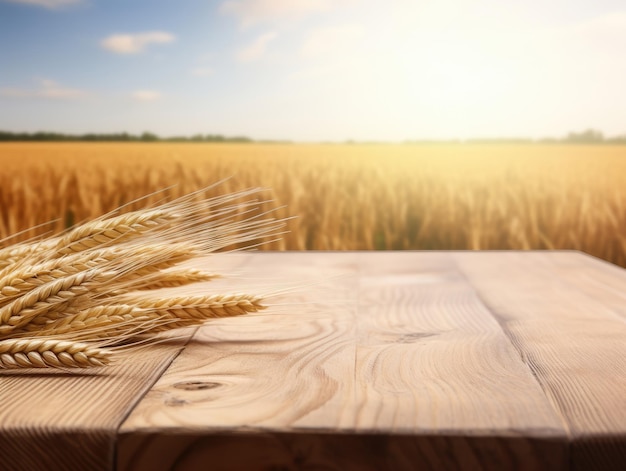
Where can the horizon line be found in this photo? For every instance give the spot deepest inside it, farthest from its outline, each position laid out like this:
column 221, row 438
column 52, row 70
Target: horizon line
column 589, row 136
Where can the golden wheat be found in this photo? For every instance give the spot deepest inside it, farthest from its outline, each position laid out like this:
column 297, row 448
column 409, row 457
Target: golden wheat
column 99, row 322
column 13, row 255
column 174, row 278
column 114, row 230
column 45, row 298
column 50, row 353
column 117, row 322
column 203, row 307
column 347, row 197
column 67, row 288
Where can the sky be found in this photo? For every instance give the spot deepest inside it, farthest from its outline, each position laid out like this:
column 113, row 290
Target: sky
column 314, row 70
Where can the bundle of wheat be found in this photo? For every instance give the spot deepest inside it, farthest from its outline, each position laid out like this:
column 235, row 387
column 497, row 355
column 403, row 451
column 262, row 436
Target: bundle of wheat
column 65, row 300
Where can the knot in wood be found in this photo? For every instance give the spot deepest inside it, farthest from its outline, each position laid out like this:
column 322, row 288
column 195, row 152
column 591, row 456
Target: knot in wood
column 196, row 385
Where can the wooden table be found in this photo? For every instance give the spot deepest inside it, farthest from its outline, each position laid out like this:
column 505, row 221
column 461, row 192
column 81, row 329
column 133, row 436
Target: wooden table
column 368, row 361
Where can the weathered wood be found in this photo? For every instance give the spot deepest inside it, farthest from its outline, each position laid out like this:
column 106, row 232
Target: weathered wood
column 602, row 281
column 572, row 342
column 289, row 368
column 433, row 361
column 69, row 421
column 296, row 450
column 421, row 377
column 366, row 361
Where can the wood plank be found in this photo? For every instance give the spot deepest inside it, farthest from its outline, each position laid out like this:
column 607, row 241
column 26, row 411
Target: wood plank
column 288, row 367
column 598, row 279
column 69, row 421
column 432, row 360
column 303, row 386
column 575, row 347
column 263, row 450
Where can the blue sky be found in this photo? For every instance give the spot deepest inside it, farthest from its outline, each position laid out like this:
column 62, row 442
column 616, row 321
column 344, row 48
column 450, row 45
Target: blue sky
column 314, row 69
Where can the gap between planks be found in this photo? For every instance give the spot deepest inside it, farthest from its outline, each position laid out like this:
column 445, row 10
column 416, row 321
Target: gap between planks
column 573, row 342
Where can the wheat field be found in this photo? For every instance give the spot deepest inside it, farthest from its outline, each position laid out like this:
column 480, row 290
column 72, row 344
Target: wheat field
column 344, row 197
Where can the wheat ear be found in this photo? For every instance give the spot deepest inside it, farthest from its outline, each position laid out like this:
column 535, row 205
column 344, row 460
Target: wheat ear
column 40, row 321
column 100, row 322
column 174, row 278
column 122, row 321
column 114, row 230
column 44, row 298
column 132, row 263
column 56, row 292
column 15, row 254
column 202, row 307
column 50, row 353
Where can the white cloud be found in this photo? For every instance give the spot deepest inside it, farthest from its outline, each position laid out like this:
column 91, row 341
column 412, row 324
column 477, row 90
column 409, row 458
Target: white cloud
column 51, row 4
column 251, row 12
column 257, row 49
column 146, row 95
column 334, row 40
column 47, row 89
column 135, row 43
column 202, row 71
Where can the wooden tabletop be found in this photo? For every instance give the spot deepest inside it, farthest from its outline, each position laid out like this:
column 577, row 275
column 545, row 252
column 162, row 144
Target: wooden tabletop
column 363, row 361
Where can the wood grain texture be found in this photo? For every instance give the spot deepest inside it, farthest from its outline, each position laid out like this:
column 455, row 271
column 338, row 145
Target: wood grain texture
column 602, row 281
column 366, row 361
column 574, row 344
column 243, row 371
column 265, row 450
column 69, row 421
column 408, row 371
column 432, row 360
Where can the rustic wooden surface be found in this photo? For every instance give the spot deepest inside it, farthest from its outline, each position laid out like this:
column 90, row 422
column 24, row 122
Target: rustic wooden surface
column 420, row 360
column 69, row 421
column 366, row 361
column 573, row 339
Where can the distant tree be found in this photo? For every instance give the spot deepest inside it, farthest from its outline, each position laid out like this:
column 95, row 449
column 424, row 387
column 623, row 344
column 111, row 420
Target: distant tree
column 239, row 139
column 617, row 139
column 590, row 135
column 177, row 139
column 149, row 137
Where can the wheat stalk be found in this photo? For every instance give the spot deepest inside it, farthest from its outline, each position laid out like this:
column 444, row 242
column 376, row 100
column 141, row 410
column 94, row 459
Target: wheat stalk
column 174, row 278
column 185, row 311
column 16, row 254
column 99, row 322
column 130, row 263
column 50, row 353
column 78, row 286
column 147, row 316
column 44, row 298
column 203, row 307
column 114, row 230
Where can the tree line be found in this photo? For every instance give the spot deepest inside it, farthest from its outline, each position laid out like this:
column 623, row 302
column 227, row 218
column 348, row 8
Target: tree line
column 589, row 136
column 116, row 137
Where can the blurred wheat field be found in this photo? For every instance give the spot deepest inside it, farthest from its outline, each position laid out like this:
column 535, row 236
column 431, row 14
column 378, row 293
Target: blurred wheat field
column 345, row 197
